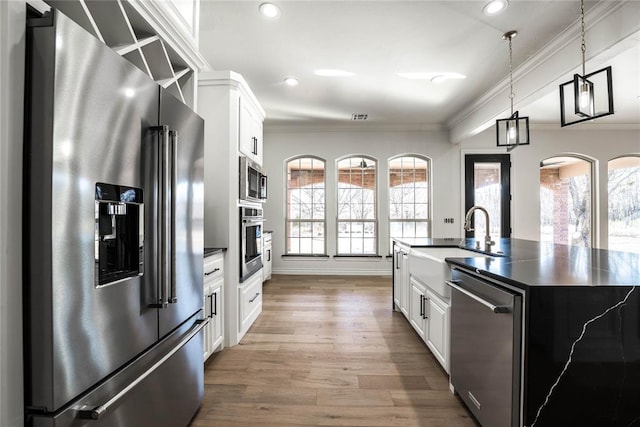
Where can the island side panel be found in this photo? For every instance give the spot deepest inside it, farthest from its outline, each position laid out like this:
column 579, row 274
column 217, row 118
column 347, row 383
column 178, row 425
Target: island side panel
column 582, row 363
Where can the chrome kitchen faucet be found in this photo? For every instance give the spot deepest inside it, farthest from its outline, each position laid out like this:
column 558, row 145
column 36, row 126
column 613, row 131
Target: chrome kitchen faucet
column 467, row 226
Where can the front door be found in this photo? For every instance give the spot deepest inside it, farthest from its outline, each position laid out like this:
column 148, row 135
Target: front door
column 487, row 184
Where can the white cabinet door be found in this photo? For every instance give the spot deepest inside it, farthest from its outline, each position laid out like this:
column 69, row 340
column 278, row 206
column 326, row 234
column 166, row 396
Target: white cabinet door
column 250, row 297
column 437, row 332
column 267, row 258
column 404, row 283
column 417, row 309
column 207, row 329
column 401, row 286
column 397, row 287
column 213, row 303
column 250, row 143
column 216, row 314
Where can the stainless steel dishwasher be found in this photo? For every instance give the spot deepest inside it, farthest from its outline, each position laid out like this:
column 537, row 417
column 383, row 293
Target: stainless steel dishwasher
column 486, row 329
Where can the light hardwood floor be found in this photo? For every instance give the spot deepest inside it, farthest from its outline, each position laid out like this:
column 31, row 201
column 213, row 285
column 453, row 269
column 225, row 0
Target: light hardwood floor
column 328, row 351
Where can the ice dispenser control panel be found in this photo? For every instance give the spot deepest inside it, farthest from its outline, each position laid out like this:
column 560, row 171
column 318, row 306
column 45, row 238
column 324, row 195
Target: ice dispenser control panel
column 119, row 233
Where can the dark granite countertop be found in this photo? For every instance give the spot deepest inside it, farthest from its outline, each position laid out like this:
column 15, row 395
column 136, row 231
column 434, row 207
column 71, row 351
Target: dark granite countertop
column 211, row 251
column 527, row 263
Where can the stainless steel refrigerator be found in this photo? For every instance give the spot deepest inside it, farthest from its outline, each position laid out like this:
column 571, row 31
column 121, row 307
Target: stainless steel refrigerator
column 113, row 237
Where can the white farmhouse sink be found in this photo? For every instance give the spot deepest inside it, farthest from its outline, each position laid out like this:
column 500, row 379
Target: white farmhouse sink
column 427, row 265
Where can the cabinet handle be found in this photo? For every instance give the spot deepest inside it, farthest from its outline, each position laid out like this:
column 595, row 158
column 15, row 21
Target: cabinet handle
column 269, row 255
column 254, row 298
column 421, row 306
column 211, row 272
column 424, row 309
column 214, row 306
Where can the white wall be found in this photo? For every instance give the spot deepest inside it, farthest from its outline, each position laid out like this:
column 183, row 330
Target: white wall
column 12, row 24
column 583, row 139
column 281, row 145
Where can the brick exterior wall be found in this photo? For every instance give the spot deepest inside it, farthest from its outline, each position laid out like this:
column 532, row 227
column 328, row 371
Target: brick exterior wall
column 550, row 178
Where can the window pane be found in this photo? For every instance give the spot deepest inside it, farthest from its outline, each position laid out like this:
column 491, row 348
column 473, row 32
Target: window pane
column 305, row 201
column 422, row 210
column 356, row 201
column 565, row 201
column 624, row 204
column 488, row 195
column 409, row 197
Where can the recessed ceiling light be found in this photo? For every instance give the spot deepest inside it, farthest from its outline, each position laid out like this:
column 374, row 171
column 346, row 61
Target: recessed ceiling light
column 434, row 77
column 330, row 72
column 269, row 10
column 291, row 81
column 494, row 7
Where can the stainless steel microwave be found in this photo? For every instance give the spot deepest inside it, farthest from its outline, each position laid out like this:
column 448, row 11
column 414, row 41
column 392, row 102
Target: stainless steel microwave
column 253, row 184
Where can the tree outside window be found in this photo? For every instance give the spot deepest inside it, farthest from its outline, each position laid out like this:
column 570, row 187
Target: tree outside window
column 565, row 201
column 305, row 219
column 624, row 204
column 409, row 197
column 357, row 221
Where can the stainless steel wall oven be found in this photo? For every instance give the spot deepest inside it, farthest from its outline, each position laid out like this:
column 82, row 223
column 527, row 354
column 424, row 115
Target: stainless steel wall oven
column 250, row 241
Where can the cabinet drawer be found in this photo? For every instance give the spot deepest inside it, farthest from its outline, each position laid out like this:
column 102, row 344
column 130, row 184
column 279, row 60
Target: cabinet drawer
column 250, row 296
column 213, row 267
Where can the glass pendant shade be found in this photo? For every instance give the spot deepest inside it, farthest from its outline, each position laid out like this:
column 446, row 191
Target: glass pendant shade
column 586, row 97
column 513, row 131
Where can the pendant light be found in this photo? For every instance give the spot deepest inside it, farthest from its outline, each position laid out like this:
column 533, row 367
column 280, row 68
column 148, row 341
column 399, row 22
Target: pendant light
column 587, row 96
column 513, row 131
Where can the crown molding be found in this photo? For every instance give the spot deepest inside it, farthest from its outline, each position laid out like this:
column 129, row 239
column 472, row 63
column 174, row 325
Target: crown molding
column 352, row 127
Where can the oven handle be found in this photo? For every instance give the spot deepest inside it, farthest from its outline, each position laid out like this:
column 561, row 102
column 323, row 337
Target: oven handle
column 96, row 412
column 253, row 221
column 492, row 307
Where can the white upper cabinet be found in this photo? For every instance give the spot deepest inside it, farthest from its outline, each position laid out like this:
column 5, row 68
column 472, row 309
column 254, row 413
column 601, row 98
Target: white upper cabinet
column 250, row 143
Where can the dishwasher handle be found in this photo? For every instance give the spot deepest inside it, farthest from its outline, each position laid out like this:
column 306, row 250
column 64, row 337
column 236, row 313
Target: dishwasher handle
column 494, row 308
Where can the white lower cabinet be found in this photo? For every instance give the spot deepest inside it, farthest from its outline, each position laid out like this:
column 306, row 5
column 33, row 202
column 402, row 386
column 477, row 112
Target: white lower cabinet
column 401, row 279
column 429, row 316
column 267, row 256
column 250, row 298
column 213, row 303
column 437, row 331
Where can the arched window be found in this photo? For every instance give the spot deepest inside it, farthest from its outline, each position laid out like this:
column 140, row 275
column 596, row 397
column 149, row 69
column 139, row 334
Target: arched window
column 624, row 203
column 357, row 213
column 305, row 210
column 409, row 201
column 566, row 200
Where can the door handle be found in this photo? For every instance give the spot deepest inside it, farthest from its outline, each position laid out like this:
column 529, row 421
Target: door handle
column 211, row 272
column 214, row 304
column 495, row 308
column 173, row 177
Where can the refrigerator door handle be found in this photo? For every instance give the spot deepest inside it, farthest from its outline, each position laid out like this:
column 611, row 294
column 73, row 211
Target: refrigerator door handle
column 165, row 216
column 96, row 412
column 161, row 221
column 171, row 190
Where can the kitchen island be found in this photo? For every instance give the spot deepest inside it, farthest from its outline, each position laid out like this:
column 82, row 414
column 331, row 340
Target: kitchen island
column 580, row 328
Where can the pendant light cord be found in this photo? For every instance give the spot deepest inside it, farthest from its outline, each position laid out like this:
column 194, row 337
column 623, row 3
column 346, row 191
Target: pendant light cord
column 583, row 47
column 511, row 94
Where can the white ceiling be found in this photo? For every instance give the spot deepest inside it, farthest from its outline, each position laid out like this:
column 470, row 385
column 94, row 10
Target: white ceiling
column 377, row 39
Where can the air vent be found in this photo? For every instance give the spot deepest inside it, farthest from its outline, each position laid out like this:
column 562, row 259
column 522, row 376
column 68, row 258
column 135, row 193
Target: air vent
column 359, row 117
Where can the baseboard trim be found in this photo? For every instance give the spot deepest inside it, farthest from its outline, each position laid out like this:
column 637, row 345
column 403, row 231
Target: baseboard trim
column 332, row 272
